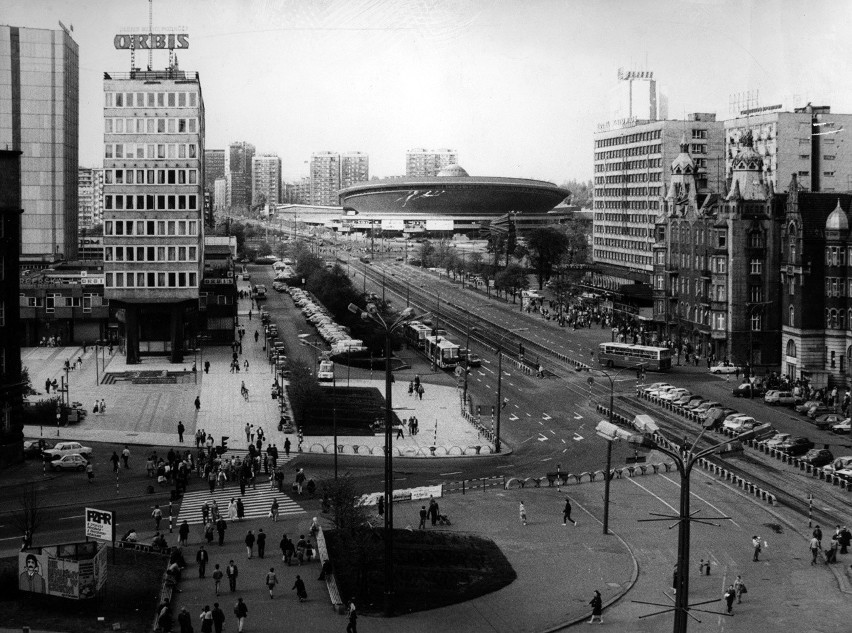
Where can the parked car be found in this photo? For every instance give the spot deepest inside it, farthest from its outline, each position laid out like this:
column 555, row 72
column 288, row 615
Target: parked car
column 843, row 427
column 694, row 402
column 33, row 449
column 815, row 412
column 673, row 394
column 776, row 397
column 725, row 368
column 68, row 448
column 705, row 406
column 818, row 457
column 777, row 439
column 805, row 406
column 683, row 400
column 795, row 446
column 74, row 461
column 840, row 463
column 655, row 386
column 740, row 424
column 826, row 420
column 747, row 390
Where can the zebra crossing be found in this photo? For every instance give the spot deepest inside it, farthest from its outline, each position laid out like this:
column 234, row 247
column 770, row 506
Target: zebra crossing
column 242, row 453
column 257, row 503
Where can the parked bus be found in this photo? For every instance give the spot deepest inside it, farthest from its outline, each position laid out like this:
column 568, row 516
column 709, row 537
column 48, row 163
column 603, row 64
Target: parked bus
column 625, row 355
column 416, row 333
column 442, row 351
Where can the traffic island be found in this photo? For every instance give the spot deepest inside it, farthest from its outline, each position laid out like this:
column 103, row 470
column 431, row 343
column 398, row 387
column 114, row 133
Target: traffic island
column 431, row 568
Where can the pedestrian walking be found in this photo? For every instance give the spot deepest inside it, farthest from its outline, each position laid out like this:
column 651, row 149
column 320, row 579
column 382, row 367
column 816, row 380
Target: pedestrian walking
column 218, row 618
column 423, row 515
column 566, row 513
column 90, row 472
column 250, row 544
column 273, row 511
column 95, row 408
column 217, row 578
column 158, row 516
column 183, row 533
column 221, row 526
column 202, row 557
column 739, row 589
column 352, row 626
column 125, row 456
column 597, row 608
column 197, row 403
column 831, row 552
column 115, row 459
column 433, row 511
column 246, row 365
column 241, row 611
column 729, row 596
column 261, row 543
column 185, row 621
column 818, row 534
column 271, row 581
column 381, row 504
column 206, row 618
column 299, row 586
column 241, row 510
column 300, row 480
column 755, row 543
column 522, row 512
column 231, row 571
column 180, row 429
column 814, row 547
column 103, row 406
column 287, row 446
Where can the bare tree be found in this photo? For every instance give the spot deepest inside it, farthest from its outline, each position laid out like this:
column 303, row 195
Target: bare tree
column 29, row 518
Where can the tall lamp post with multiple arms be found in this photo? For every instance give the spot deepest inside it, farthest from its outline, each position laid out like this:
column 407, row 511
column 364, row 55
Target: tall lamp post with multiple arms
column 500, row 384
column 684, row 461
column 608, row 473
column 389, row 328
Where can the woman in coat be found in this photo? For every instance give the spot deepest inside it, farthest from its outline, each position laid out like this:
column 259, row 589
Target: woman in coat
column 232, row 510
column 597, row 607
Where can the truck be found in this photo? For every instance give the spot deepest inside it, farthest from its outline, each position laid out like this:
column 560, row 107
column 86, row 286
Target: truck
column 260, row 291
column 326, row 371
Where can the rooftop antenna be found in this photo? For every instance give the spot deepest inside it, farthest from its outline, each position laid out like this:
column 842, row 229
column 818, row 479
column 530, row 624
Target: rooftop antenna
column 150, row 33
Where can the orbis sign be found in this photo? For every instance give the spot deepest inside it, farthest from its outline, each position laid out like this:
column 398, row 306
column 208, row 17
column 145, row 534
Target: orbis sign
column 152, row 40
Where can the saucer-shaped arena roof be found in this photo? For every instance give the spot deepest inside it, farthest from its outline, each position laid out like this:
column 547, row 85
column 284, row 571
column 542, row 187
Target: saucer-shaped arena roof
column 453, row 192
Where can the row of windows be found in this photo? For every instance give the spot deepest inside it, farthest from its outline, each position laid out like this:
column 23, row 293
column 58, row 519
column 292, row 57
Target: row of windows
column 149, row 202
column 151, row 280
column 627, row 165
column 151, row 253
column 62, row 301
column 836, row 256
column 627, row 191
column 150, row 228
column 638, row 205
column 640, row 218
column 618, row 256
column 642, row 150
column 150, row 100
column 150, row 125
column 639, row 137
column 611, row 241
column 150, row 176
column 622, row 178
column 835, row 287
column 636, row 231
column 151, row 151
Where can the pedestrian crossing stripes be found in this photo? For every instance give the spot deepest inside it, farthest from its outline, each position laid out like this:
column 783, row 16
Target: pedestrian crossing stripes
column 257, row 502
column 232, row 453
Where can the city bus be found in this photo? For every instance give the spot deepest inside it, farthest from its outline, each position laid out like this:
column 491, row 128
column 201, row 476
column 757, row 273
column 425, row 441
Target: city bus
column 626, row 355
column 416, row 333
column 442, row 351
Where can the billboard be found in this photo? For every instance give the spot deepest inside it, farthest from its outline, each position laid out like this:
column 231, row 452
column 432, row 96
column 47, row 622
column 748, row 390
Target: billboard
column 100, row 524
column 75, row 570
column 439, row 225
column 393, row 225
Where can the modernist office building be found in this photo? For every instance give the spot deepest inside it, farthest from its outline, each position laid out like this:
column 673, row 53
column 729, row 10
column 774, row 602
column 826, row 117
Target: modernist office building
column 39, row 96
column 238, row 173
column 426, row 163
column 265, row 179
column 808, row 142
column 153, row 206
column 631, row 176
column 214, row 167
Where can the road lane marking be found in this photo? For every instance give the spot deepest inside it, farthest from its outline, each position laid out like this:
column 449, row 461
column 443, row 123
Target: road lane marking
column 663, row 501
column 577, row 416
column 544, row 416
column 577, row 437
column 456, row 472
column 513, row 417
column 542, row 437
column 702, row 499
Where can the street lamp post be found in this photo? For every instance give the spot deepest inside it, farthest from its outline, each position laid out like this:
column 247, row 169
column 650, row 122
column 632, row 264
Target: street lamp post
column 372, row 314
column 467, row 362
column 684, row 462
column 500, row 385
column 608, row 473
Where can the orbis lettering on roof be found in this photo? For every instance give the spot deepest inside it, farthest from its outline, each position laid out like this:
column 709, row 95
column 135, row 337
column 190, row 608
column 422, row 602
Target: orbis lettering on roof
column 152, row 40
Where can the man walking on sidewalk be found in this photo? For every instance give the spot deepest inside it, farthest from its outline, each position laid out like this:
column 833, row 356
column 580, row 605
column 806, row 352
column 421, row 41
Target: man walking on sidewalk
column 232, row 572
column 566, row 513
column 241, row 611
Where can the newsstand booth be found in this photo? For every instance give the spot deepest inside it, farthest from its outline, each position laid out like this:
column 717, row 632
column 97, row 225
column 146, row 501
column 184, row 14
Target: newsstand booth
column 70, row 570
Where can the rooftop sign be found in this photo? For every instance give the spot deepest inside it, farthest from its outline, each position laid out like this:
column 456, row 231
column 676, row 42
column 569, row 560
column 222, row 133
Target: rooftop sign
column 147, row 41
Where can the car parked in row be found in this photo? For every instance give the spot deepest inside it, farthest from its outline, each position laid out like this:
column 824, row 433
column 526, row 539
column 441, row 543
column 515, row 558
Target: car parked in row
column 748, row 390
column 67, row 448
column 776, row 440
column 776, row 397
column 725, row 368
column 32, row 448
column 806, row 406
column 826, row 420
column 740, row 424
column 74, row 461
column 795, row 446
column 842, row 428
column 839, row 464
column 818, row 457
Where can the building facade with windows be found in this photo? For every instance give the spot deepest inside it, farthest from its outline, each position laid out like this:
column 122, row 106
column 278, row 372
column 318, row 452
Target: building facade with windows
column 808, row 142
column 153, row 207
column 90, row 197
column 354, row 168
column 39, row 101
column 716, row 271
column 214, row 167
column 631, row 176
column 325, row 178
column 238, row 173
column 816, row 287
column 426, row 163
column 266, row 179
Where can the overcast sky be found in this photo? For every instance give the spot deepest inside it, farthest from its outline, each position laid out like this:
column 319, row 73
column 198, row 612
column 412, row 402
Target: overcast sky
column 516, row 86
